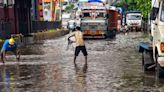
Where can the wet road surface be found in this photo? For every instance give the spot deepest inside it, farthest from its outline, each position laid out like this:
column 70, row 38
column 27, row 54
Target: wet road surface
column 114, row 65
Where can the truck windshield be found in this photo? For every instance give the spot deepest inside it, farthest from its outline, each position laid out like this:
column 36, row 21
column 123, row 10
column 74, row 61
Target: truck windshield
column 162, row 12
column 94, row 15
column 134, row 17
column 100, row 15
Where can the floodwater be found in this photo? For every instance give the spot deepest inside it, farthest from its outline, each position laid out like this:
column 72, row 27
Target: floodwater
column 114, row 65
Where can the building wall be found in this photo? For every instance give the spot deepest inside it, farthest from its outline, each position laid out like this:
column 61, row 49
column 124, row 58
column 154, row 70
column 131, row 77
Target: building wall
column 15, row 17
column 45, row 10
column 34, row 9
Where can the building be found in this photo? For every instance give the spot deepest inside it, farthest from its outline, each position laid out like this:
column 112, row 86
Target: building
column 15, row 17
column 46, row 10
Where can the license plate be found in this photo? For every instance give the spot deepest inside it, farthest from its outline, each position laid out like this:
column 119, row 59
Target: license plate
column 92, row 33
column 134, row 28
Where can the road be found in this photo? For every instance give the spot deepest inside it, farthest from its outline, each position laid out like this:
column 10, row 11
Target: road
column 114, row 65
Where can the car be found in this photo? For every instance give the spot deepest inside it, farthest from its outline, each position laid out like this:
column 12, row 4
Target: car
column 71, row 25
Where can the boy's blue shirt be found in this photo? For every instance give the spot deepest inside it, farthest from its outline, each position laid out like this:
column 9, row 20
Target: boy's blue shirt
column 6, row 46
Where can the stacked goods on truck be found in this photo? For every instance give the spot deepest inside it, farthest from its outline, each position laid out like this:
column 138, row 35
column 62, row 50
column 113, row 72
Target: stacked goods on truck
column 133, row 20
column 153, row 51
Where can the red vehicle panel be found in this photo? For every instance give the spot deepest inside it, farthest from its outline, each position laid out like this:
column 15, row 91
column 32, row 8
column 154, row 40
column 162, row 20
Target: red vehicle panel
column 113, row 19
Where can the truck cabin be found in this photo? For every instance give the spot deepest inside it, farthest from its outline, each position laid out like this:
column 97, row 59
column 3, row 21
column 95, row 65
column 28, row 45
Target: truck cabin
column 157, row 12
column 155, row 9
column 93, row 10
column 93, row 14
column 133, row 16
column 133, row 20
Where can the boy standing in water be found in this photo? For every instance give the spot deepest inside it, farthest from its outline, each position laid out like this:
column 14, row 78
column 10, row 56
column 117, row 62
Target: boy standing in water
column 80, row 45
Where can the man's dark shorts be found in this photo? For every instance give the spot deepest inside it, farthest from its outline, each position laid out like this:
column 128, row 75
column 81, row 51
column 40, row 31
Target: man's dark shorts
column 81, row 48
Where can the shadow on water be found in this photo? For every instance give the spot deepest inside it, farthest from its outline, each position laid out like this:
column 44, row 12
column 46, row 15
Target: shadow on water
column 36, row 49
column 152, row 82
column 80, row 76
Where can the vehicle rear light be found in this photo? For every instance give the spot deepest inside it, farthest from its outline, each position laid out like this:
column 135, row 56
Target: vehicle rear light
column 162, row 47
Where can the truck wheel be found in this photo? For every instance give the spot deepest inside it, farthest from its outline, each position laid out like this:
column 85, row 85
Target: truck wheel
column 111, row 33
column 114, row 33
column 160, row 71
column 145, row 56
column 145, row 66
column 105, row 36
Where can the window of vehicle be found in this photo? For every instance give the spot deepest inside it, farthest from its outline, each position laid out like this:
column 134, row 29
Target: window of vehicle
column 86, row 14
column 162, row 12
column 1, row 2
column 134, row 17
column 100, row 14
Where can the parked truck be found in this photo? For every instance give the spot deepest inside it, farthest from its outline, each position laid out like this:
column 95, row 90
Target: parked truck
column 93, row 20
column 153, row 51
column 133, row 20
column 98, row 20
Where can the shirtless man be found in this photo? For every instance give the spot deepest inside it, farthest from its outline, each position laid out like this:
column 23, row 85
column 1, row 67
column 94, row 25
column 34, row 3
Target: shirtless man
column 80, row 46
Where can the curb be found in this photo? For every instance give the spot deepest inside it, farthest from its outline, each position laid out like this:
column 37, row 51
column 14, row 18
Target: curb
column 34, row 37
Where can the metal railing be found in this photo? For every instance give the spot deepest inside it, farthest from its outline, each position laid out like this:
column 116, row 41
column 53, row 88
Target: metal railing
column 38, row 26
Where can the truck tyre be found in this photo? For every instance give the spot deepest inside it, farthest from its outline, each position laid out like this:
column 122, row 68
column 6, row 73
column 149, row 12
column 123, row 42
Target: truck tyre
column 160, row 71
column 111, row 33
column 114, row 33
column 145, row 56
column 105, row 36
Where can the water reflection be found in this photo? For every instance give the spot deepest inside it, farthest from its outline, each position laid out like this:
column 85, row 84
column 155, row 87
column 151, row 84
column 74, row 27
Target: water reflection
column 7, row 79
column 80, row 75
column 20, row 78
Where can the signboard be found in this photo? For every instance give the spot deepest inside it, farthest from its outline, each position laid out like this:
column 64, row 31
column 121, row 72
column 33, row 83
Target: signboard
column 92, row 1
column 92, row 5
column 47, row 11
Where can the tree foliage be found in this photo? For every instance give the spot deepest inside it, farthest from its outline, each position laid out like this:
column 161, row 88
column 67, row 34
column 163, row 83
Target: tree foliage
column 69, row 8
column 141, row 5
column 144, row 6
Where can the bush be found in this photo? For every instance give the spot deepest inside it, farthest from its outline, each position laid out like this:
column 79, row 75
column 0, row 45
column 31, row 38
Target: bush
column 69, row 8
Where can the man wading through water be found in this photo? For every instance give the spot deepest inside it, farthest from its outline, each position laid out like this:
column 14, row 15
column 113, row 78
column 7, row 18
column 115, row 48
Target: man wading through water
column 80, row 46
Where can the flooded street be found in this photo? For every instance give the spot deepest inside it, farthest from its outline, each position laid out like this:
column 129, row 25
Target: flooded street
column 114, row 65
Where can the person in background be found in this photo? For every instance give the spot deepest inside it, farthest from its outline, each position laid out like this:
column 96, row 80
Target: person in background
column 9, row 45
column 80, row 45
column 126, row 27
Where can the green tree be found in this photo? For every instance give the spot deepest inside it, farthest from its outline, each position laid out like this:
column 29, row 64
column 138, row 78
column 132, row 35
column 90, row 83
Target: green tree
column 144, row 6
column 141, row 5
column 69, row 8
